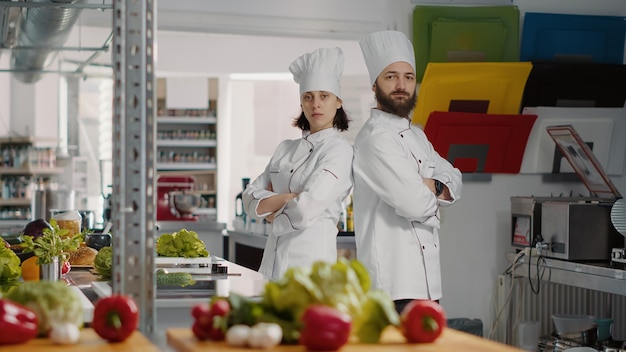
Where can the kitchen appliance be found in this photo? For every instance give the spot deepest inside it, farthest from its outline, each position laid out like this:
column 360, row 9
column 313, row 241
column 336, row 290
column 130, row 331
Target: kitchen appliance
column 570, row 228
column 618, row 219
column 171, row 204
column 185, row 204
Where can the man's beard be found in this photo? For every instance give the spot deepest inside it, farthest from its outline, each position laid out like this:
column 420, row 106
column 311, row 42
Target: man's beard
column 388, row 104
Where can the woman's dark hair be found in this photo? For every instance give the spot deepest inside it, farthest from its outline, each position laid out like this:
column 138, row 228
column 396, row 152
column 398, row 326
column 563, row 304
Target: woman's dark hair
column 340, row 122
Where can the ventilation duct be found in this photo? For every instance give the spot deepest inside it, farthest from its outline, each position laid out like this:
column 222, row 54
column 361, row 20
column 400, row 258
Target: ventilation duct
column 42, row 31
column 9, row 25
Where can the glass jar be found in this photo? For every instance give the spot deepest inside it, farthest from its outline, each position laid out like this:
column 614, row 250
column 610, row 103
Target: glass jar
column 69, row 220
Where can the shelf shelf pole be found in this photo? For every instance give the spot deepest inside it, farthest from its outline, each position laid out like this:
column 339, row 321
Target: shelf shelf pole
column 134, row 130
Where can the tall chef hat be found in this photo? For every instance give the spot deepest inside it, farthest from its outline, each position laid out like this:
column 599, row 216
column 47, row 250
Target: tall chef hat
column 319, row 70
column 380, row 49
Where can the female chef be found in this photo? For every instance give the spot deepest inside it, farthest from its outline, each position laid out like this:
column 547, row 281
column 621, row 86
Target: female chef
column 301, row 190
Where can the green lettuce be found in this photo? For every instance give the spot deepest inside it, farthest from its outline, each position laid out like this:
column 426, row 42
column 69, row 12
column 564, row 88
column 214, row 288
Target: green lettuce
column 9, row 265
column 103, row 263
column 183, row 243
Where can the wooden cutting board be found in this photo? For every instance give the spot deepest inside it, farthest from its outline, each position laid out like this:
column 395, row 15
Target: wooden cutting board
column 182, row 340
column 89, row 341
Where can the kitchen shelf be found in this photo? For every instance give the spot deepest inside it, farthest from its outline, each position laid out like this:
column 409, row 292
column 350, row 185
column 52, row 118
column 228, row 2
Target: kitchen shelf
column 24, row 163
column 186, row 166
column 13, row 224
column 15, row 202
column 43, row 171
column 210, row 120
column 187, row 143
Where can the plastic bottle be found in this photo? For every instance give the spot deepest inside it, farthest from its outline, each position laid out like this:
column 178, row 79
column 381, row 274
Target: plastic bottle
column 349, row 217
column 343, row 219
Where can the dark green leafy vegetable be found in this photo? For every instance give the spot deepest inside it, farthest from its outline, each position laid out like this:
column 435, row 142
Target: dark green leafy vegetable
column 103, row 263
column 183, row 243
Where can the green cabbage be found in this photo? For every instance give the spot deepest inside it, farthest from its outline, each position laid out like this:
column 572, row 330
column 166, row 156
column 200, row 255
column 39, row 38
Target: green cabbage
column 183, row 243
column 103, row 263
column 53, row 301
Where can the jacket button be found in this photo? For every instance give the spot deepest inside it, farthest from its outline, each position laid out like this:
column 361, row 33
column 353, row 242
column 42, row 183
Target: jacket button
column 291, row 171
column 419, row 161
column 423, row 247
column 310, row 150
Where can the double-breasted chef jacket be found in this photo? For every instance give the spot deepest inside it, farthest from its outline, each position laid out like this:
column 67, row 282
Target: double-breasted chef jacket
column 396, row 216
column 318, row 168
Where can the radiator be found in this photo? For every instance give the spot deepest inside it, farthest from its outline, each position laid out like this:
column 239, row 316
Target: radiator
column 552, row 298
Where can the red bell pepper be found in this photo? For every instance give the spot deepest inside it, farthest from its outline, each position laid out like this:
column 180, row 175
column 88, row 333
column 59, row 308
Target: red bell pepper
column 209, row 323
column 325, row 328
column 18, row 323
column 422, row 321
column 115, row 318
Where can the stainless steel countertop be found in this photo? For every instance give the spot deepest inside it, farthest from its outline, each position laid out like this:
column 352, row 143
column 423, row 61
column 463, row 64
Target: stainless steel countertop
column 190, row 225
column 590, row 276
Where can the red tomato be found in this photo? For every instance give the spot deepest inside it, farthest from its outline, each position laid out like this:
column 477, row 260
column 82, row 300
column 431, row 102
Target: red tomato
column 220, row 307
column 422, row 321
column 199, row 310
column 207, row 323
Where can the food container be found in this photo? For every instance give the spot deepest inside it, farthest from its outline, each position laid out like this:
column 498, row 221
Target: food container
column 98, row 240
column 69, row 220
column 588, row 337
column 572, row 323
column 604, row 328
column 88, row 219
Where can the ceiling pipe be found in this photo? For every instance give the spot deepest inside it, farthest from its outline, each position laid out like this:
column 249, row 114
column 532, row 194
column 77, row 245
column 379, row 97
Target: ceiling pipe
column 42, row 31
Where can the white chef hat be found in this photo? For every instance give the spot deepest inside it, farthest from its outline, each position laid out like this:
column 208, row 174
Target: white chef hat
column 380, row 49
column 319, row 70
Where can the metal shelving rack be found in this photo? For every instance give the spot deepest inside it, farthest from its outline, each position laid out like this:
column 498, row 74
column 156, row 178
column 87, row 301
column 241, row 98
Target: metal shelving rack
column 134, row 131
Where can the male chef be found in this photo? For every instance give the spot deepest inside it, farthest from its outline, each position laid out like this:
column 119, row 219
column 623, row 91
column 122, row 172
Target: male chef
column 400, row 181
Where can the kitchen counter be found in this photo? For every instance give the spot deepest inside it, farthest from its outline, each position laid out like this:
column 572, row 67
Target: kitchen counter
column 182, row 340
column 89, row 341
column 251, row 246
column 242, row 281
column 176, row 312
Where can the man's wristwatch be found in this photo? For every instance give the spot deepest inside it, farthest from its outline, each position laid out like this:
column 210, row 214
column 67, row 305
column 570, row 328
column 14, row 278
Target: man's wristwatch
column 438, row 188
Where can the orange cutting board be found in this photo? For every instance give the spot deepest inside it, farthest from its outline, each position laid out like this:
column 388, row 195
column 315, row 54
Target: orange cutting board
column 182, row 340
column 89, row 341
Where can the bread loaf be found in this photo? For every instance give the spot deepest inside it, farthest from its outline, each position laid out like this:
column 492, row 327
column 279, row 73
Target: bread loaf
column 83, row 256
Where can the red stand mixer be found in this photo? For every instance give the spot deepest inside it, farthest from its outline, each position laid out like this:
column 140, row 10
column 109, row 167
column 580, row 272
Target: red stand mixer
column 174, row 200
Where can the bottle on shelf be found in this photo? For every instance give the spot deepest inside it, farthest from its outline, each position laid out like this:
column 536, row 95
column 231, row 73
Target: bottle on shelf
column 349, row 217
column 342, row 224
column 240, row 213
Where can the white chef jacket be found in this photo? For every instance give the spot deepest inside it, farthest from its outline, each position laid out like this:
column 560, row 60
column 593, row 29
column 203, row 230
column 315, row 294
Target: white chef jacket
column 396, row 216
column 318, row 168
